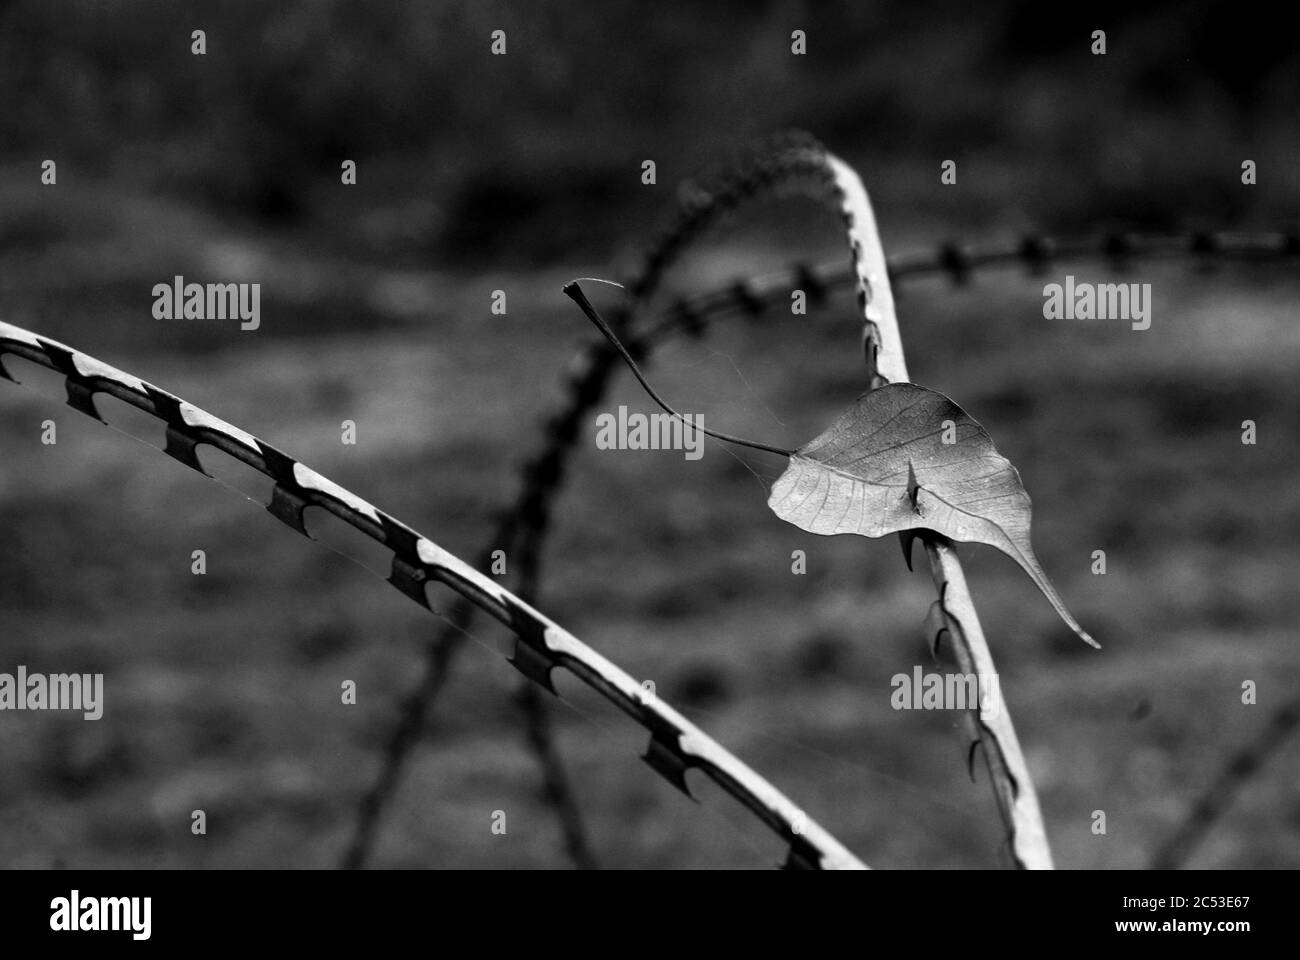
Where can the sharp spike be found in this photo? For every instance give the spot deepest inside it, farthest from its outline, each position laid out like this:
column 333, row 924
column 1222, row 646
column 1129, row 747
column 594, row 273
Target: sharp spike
column 905, row 539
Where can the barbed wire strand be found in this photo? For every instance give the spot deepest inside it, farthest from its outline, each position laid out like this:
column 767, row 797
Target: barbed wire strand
column 542, row 646
column 785, row 158
column 1240, row 767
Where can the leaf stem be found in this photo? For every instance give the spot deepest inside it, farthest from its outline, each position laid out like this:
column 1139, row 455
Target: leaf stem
column 574, row 293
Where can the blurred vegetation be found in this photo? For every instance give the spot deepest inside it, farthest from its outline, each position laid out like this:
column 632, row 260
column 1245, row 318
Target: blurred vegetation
column 537, row 152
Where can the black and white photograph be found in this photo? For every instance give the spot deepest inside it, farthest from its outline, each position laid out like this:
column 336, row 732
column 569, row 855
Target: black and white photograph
column 504, row 436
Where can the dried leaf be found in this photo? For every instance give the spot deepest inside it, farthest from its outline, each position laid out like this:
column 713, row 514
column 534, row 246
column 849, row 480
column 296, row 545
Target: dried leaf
column 883, row 468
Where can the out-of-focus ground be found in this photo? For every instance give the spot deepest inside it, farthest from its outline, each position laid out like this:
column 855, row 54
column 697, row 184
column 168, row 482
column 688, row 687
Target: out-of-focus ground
column 520, row 173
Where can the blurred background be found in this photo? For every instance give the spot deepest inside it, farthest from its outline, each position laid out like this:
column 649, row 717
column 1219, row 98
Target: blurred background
column 478, row 173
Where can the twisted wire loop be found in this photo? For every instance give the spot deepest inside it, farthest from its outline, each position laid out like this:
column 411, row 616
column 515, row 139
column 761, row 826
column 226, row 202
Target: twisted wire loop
column 789, row 161
column 542, row 646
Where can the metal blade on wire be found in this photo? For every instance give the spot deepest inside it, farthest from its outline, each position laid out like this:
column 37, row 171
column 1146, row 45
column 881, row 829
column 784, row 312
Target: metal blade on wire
column 677, row 745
